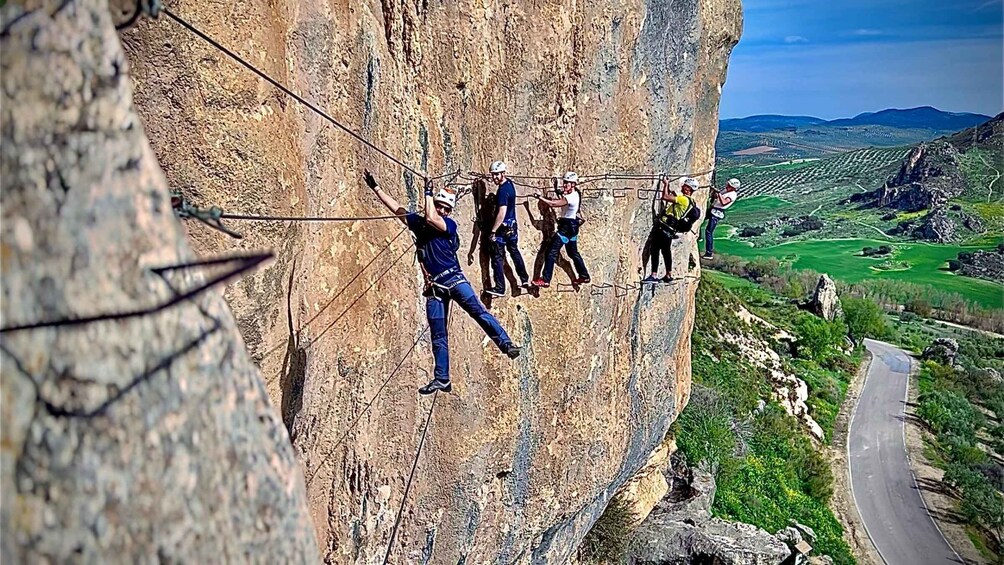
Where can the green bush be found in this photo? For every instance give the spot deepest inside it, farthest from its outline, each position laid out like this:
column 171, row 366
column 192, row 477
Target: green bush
column 863, row 318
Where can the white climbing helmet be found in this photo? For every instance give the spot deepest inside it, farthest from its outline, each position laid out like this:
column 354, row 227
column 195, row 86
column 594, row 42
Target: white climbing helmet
column 690, row 183
column 447, row 197
column 497, row 167
column 570, row 176
column 734, row 183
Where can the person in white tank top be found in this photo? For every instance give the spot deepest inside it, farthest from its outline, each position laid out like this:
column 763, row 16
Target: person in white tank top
column 567, row 233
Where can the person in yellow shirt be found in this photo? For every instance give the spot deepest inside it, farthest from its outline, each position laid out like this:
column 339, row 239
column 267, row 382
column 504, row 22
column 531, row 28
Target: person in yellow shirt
column 668, row 211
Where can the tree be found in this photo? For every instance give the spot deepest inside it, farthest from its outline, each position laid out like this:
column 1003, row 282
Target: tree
column 864, row 319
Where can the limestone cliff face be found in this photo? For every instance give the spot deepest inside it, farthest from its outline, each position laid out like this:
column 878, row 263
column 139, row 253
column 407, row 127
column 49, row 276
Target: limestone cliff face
column 523, row 456
column 147, row 439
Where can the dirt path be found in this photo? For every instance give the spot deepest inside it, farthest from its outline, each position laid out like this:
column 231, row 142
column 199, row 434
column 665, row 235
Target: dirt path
column 990, row 188
column 842, row 504
column 939, row 503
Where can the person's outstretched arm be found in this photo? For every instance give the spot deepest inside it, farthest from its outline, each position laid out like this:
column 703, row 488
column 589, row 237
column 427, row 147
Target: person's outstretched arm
column 393, row 205
column 553, row 203
column 432, row 216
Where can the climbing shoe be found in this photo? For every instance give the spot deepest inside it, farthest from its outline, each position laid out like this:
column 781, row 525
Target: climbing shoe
column 436, row 385
column 581, row 280
column 526, row 284
column 707, row 256
column 650, row 279
column 541, row 283
column 667, row 279
column 495, row 292
column 513, row 351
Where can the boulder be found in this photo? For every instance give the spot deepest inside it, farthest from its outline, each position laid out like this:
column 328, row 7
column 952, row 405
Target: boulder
column 943, row 350
column 825, row 302
column 664, row 541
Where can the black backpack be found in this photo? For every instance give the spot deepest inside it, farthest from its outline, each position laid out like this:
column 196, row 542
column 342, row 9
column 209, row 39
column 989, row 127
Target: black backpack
column 688, row 220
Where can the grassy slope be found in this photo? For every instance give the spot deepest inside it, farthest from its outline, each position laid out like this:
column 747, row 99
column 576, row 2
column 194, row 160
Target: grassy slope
column 841, row 259
column 768, row 471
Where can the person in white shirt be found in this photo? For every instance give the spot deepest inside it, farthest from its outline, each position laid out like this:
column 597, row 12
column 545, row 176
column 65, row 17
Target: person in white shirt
column 567, row 233
column 720, row 202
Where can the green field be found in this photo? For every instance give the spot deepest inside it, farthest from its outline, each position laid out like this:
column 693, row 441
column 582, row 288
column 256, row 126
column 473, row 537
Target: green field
column 840, row 259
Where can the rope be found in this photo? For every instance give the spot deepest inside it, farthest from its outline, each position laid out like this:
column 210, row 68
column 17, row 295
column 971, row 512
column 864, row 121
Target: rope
column 247, row 263
column 369, row 405
column 289, row 92
column 407, row 488
column 254, row 218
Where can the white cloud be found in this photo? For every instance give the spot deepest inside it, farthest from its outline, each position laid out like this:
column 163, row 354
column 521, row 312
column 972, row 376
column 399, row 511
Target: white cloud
column 795, row 39
column 865, row 32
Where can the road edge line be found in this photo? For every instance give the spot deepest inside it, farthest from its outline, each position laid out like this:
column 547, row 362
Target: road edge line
column 909, row 460
column 847, row 449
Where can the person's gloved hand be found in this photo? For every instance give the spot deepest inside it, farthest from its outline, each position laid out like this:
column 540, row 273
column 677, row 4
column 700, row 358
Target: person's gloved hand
column 428, row 188
column 368, row 178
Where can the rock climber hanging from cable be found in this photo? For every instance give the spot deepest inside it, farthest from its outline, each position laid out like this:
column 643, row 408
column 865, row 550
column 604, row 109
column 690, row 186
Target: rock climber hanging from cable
column 504, row 232
column 567, row 233
column 437, row 243
column 719, row 202
column 671, row 213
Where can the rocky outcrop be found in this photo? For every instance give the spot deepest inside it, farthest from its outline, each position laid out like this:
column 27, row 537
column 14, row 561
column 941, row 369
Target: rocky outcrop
column 192, row 464
column 681, row 531
column 981, row 264
column 944, row 350
column 929, row 177
column 825, row 301
column 937, row 227
column 144, row 439
column 790, row 391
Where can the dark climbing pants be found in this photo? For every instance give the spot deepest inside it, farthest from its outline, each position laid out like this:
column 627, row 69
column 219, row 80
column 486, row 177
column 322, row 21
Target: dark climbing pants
column 662, row 244
column 507, row 238
column 567, row 236
column 709, row 235
column 437, row 309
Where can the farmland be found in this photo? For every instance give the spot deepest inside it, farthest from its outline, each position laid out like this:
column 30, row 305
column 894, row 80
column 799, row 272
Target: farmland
column 842, row 259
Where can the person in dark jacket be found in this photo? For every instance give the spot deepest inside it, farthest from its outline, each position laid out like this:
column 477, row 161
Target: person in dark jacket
column 504, row 232
column 437, row 243
column 720, row 202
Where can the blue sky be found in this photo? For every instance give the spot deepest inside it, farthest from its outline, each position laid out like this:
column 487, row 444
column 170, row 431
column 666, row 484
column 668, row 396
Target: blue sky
column 838, row 58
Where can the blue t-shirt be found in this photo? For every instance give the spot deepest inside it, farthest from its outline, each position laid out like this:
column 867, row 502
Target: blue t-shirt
column 437, row 249
column 507, row 198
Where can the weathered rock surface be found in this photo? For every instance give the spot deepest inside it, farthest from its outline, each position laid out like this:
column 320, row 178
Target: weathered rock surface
column 148, row 439
column 943, row 350
column 681, row 531
column 938, row 227
column 522, row 457
column 825, row 301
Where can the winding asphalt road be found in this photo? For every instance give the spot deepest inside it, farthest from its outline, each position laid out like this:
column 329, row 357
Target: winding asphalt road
column 882, row 484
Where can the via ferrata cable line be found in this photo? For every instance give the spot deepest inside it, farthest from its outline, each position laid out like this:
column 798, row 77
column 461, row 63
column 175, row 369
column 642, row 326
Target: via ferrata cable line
column 244, row 263
column 355, row 420
column 411, row 476
column 238, row 59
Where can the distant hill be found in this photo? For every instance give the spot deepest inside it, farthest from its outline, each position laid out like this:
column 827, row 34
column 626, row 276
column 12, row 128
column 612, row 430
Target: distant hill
column 767, row 139
column 767, row 122
column 924, row 117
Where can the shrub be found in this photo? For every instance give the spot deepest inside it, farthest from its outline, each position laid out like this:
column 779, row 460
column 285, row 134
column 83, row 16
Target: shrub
column 607, row 539
column 863, row 318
